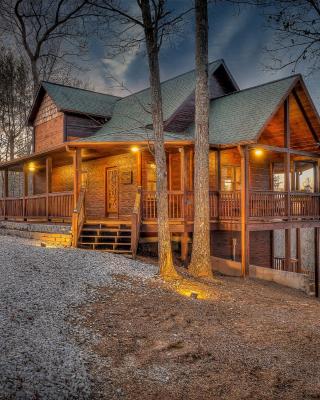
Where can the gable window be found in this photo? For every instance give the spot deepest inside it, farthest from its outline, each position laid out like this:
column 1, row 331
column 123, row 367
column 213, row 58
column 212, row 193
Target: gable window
column 230, row 178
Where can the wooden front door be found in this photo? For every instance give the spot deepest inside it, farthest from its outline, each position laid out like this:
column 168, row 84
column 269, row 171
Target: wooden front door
column 112, row 195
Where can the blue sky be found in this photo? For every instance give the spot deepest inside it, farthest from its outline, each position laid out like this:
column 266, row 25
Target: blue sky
column 239, row 36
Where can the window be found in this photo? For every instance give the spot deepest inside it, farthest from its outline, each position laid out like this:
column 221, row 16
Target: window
column 230, row 178
column 151, row 176
column 304, row 176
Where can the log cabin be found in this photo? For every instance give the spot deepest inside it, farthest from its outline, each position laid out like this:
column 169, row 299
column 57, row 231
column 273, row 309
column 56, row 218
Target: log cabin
column 92, row 166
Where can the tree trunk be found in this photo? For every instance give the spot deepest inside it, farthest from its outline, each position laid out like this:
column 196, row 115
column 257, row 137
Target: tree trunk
column 35, row 76
column 200, row 265
column 166, row 266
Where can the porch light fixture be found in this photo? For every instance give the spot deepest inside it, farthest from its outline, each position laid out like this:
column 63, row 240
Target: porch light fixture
column 258, row 152
column 135, row 149
column 31, row 167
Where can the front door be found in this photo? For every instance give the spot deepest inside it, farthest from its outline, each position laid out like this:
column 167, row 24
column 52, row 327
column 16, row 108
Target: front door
column 112, row 195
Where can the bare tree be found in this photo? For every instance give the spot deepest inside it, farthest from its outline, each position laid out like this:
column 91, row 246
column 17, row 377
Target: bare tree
column 50, row 33
column 151, row 23
column 200, row 265
column 296, row 26
column 15, row 100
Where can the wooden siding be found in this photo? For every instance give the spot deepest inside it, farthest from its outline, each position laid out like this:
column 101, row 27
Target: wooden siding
column 81, row 126
column 260, row 249
column 48, row 125
column 221, row 244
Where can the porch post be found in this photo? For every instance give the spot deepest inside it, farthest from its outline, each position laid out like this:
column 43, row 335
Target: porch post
column 139, row 168
column 298, row 245
column 48, row 184
column 76, row 176
column 316, row 261
column 287, row 180
column 5, row 191
column 244, row 210
column 184, row 236
column 25, row 189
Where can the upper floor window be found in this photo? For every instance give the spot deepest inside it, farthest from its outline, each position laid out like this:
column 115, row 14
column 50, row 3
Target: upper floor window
column 230, row 178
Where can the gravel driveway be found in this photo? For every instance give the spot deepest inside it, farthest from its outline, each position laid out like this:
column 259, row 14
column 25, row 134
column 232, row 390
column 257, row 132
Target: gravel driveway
column 40, row 291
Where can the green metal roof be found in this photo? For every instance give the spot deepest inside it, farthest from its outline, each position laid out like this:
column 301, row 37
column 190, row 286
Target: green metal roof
column 68, row 98
column 240, row 116
column 133, row 111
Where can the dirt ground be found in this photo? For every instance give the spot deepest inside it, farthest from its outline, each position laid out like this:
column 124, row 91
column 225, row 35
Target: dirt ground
column 251, row 340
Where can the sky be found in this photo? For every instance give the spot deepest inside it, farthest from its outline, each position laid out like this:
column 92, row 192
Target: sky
column 237, row 35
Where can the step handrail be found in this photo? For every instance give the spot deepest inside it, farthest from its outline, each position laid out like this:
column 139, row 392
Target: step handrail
column 136, row 223
column 78, row 217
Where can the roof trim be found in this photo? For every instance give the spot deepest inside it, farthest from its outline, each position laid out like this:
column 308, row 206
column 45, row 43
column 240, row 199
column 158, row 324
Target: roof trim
column 32, row 156
column 294, row 83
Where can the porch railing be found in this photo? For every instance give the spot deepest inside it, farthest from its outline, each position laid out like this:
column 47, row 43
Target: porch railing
column 43, row 206
column 263, row 205
column 279, row 263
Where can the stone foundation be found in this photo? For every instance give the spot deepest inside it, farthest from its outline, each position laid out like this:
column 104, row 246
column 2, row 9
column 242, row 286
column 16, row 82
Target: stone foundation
column 56, row 235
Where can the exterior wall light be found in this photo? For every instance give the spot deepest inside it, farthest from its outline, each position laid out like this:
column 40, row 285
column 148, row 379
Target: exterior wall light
column 258, row 152
column 31, row 167
column 135, row 149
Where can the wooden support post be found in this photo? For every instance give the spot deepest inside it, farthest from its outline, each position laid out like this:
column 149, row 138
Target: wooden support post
column 139, row 168
column 298, row 248
column 183, row 181
column 272, row 247
column 287, row 154
column 287, row 248
column 77, row 175
column 244, row 210
column 25, row 189
column 316, row 261
column 184, row 247
column 48, row 183
column 5, row 191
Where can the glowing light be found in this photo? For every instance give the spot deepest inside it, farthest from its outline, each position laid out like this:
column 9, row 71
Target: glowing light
column 135, row 149
column 32, row 167
column 258, row 152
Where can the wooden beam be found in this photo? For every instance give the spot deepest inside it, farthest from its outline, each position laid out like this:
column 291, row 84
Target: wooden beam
column 284, row 150
column 305, row 116
column 244, row 153
column 77, row 175
column 316, row 261
column 25, row 188
column 48, row 183
column 5, row 191
column 184, row 247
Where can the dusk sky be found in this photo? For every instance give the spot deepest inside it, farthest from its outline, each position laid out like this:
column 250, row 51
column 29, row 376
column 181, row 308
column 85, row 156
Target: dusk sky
column 236, row 35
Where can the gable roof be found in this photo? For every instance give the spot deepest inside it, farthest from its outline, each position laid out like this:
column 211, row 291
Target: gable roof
column 240, row 117
column 68, row 98
column 132, row 112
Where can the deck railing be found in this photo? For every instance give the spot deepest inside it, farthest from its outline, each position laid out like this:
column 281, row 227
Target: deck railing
column 279, row 263
column 263, row 205
column 43, row 206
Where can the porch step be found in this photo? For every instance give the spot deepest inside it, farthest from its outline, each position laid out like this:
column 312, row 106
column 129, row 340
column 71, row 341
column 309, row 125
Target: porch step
column 101, row 236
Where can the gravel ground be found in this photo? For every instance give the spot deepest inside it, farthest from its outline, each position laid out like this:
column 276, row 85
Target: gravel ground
column 76, row 324
column 41, row 355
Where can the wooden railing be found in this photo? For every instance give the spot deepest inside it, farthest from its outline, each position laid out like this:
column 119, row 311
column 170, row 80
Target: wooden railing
column 42, row 206
column 269, row 204
column 279, row 263
column 78, row 217
column 263, row 204
column 304, row 204
column 136, row 223
column 175, row 205
column 229, row 205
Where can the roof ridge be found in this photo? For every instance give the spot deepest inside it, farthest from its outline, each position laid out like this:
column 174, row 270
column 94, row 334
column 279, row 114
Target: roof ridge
column 77, row 88
column 259, row 85
column 167, row 80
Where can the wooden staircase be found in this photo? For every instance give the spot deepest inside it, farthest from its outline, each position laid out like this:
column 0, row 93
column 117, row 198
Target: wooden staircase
column 109, row 236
